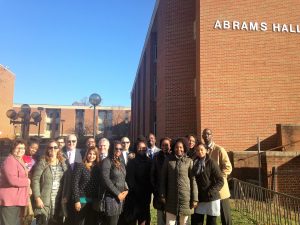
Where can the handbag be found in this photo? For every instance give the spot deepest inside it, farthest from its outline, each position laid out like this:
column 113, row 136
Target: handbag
column 99, row 204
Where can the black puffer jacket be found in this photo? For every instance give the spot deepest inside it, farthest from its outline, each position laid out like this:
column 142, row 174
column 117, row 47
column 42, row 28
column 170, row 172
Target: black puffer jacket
column 178, row 185
column 209, row 181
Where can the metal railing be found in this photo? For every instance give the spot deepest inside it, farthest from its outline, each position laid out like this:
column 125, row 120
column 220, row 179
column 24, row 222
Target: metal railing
column 265, row 206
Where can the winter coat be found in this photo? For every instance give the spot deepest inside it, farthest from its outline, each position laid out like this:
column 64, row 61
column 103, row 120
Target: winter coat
column 83, row 182
column 42, row 181
column 220, row 156
column 138, row 180
column 178, row 185
column 209, row 181
column 14, row 183
column 114, row 183
column 157, row 164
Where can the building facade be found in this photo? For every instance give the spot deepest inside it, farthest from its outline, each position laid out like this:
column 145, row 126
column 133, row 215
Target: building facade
column 232, row 67
column 58, row 120
column 7, row 81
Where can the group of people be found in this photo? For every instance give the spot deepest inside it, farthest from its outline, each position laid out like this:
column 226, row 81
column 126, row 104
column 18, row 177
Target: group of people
column 114, row 185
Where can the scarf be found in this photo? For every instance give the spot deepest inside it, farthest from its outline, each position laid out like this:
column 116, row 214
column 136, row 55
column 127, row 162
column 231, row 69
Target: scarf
column 199, row 165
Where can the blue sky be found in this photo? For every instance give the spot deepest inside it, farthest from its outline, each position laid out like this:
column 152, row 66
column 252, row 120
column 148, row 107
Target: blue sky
column 62, row 51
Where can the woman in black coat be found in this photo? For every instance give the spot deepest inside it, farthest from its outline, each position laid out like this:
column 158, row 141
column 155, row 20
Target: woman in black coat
column 209, row 181
column 85, row 187
column 115, row 188
column 137, row 207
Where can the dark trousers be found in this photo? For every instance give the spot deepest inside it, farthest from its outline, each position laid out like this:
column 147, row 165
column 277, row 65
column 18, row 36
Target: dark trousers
column 86, row 216
column 10, row 215
column 111, row 220
column 225, row 212
column 198, row 219
column 70, row 219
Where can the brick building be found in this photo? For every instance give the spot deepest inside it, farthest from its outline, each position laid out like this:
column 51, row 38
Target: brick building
column 230, row 66
column 7, row 81
column 58, row 120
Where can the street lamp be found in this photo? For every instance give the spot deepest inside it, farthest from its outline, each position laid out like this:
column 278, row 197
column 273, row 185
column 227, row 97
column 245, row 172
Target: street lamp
column 62, row 127
column 40, row 109
column 95, row 100
column 25, row 116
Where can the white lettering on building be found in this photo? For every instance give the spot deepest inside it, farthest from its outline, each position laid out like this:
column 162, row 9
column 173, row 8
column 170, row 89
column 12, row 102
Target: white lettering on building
column 255, row 26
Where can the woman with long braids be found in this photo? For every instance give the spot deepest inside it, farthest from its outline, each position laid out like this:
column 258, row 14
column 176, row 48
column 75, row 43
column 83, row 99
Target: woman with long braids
column 115, row 188
column 47, row 185
column 84, row 187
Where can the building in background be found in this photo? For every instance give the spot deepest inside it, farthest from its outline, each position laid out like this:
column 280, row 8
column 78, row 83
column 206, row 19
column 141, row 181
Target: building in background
column 232, row 69
column 58, row 120
column 229, row 66
column 7, row 81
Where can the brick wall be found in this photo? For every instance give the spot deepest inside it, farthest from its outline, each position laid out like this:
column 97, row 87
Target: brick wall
column 248, row 80
column 7, row 80
column 284, row 179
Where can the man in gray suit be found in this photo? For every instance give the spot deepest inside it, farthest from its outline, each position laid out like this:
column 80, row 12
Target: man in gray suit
column 72, row 155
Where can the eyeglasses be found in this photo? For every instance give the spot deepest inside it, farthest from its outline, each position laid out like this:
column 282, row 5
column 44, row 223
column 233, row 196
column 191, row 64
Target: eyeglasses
column 125, row 142
column 52, row 147
column 73, row 141
column 118, row 149
column 61, row 142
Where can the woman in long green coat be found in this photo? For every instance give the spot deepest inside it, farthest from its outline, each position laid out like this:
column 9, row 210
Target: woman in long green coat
column 178, row 189
column 47, row 185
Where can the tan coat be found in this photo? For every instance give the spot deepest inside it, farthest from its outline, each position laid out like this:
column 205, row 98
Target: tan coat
column 219, row 155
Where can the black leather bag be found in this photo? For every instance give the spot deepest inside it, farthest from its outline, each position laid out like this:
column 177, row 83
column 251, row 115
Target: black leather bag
column 99, row 204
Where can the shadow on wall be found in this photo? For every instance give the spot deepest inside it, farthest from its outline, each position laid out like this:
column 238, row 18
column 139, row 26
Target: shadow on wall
column 286, row 178
column 266, row 144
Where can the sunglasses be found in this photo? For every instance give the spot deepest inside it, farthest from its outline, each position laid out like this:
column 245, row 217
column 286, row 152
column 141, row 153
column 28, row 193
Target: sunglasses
column 52, row 147
column 118, row 149
column 73, row 141
column 125, row 142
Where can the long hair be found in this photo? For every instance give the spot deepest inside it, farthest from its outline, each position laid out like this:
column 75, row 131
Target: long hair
column 85, row 161
column 59, row 153
column 111, row 154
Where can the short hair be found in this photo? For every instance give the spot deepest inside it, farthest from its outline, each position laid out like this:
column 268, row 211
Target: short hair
column 32, row 141
column 104, row 140
column 60, row 137
column 122, row 139
column 165, row 139
column 15, row 143
column 70, row 135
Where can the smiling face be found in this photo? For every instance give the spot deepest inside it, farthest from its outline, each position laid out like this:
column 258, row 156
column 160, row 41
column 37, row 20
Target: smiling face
column 179, row 149
column 91, row 155
column 18, row 151
column 201, row 151
column 52, row 149
column 192, row 142
column 32, row 149
column 117, row 150
column 166, row 146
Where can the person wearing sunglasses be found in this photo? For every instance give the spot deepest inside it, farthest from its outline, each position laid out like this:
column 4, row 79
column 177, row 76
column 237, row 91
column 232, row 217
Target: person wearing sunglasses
column 125, row 150
column 115, row 189
column 46, row 185
column 72, row 155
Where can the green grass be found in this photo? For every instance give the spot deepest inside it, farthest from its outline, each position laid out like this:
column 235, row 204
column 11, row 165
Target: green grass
column 237, row 218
